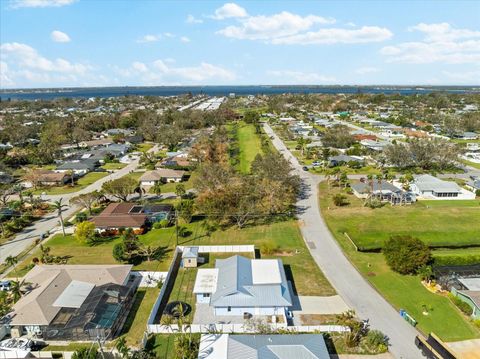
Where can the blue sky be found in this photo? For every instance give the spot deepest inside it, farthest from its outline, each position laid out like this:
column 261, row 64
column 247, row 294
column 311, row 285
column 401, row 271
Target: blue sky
column 52, row 43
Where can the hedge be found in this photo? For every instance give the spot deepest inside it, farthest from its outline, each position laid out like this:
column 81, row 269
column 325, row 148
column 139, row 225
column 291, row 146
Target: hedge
column 455, row 260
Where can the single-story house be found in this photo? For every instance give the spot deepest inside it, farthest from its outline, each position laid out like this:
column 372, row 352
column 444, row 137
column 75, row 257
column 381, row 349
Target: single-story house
column 96, row 143
column 162, row 175
column 430, row 187
column 382, row 190
column 374, row 145
column 79, row 168
column 239, row 285
column 121, row 215
column 468, row 136
column 74, row 302
column 47, row 178
column 474, row 185
column 131, row 215
column 339, row 160
column 264, row 346
column 176, row 161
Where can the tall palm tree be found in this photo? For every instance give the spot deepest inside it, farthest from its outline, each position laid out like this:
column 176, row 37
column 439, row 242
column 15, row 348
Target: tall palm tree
column 11, row 261
column 59, row 206
column 16, row 290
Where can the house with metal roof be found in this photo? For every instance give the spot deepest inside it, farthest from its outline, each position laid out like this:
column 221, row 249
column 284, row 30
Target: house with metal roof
column 239, row 285
column 382, row 190
column 430, row 187
column 274, row 346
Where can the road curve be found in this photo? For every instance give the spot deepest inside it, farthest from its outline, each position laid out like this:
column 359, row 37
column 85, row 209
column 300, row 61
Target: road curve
column 352, row 287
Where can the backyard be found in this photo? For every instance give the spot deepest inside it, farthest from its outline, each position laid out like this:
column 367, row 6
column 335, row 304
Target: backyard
column 283, row 237
column 404, row 292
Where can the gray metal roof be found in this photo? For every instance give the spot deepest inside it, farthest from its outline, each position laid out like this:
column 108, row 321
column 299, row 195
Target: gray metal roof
column 430, row 183
column 284, row 346
column 384, row 186
column 236, row 287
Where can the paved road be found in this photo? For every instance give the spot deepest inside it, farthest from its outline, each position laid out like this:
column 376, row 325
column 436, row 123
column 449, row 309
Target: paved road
column 351, row 286
column 28, row 236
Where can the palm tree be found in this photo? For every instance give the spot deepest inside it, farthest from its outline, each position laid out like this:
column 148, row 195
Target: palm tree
column 11, row 261
column 16, row 290
column 157, row 189
column 59, row 206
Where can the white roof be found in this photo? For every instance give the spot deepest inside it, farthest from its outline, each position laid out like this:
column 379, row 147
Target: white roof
column 206, row 280
column 471, row 283
column 265, row 271
column 74, row 295
column 213, row 346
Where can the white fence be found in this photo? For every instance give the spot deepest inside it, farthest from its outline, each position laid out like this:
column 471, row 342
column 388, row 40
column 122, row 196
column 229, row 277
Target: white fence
column 241, row 328
column 24, row 354
column 223, row 249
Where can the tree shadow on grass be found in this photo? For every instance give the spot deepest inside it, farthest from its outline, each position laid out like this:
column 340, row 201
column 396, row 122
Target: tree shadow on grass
column 139, row 296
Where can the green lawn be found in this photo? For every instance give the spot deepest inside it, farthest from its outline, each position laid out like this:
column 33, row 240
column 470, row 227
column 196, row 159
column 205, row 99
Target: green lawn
column 136, row 323
column 437, row 223
column 471, row 164
column 183, row 290
column 170, row 187
column 403, row 292
column 113, row 166
column 249, row 144
column 144, row 147
column 82, row 182
column 163, row 345
column 135, row 175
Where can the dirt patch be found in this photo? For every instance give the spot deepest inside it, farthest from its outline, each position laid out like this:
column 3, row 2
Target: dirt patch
column 317, row 319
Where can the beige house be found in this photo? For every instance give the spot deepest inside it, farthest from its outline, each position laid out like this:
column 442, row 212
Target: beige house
column 163, row 175
column 73, row 302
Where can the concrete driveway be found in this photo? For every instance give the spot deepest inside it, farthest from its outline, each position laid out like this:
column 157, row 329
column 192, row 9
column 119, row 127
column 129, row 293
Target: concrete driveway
column 320, row 305
column 349, row 284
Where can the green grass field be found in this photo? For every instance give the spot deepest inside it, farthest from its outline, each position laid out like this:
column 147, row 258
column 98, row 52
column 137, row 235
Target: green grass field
column 249, row 144
column 114, row 166
column 82, row 182
column 403, row 292
column 472, row 164
column 144, row 147
column 437, row 223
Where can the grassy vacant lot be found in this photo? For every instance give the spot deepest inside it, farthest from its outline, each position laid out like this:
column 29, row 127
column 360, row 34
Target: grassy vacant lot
column 299, row 265
column 404, row 292
column 437, row 223
column 249, row 144
column 82, row 182
column 114, row 166
column 144, row 147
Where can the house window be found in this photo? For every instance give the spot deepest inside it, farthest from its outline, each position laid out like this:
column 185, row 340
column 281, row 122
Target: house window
column 206, row 295
column 229, row 309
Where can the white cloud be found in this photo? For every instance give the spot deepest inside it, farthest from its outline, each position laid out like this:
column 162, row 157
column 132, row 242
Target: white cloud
column 230, row 10
column 467, row 77
column 40, row 3
column 59, row 36
column 272, row 27
column 149, row 38
column 193, row 20
column 367, row 70
column 5, row 79
column 184, row 39
column 299, row 77
column 441, row 43
column 139, row 66
column 364, row 34
column 22, row 62
column 168, row 34
column 163, row 71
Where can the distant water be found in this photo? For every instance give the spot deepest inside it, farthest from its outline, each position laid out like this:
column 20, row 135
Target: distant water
column 103, row 92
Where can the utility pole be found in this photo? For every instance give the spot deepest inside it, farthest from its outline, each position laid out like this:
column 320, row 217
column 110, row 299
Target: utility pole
column 176, row 226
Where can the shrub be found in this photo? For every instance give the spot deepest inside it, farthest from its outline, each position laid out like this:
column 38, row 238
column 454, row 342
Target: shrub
column 118, row 252
column 340, row 200
column 268, row 248
column 405, row 254
column 80, row 217
column 163, row 223
column 463, row 306
column 376, row 341
column 85, row 232
column 456, row 260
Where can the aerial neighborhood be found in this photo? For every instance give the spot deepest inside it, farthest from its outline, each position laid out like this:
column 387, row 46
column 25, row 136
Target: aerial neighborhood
column 155, row 225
